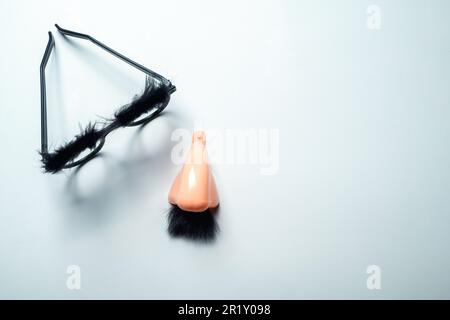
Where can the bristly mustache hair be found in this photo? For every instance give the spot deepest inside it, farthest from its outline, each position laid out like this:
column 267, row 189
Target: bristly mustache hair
column 155, row 96
column 197, row 226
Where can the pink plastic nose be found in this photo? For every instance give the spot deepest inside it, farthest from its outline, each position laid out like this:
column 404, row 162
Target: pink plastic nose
column 194, row 188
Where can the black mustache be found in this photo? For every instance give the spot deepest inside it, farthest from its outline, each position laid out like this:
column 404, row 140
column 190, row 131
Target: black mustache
column 197, row 226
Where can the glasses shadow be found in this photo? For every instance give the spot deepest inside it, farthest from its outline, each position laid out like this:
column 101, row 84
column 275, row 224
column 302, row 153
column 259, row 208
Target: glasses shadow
column 110, row 187
column 102, row 63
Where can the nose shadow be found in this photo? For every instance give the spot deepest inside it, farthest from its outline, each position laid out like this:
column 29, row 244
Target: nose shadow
column 128, row 180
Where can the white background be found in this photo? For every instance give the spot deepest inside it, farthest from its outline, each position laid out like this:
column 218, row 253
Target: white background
column 363, row 173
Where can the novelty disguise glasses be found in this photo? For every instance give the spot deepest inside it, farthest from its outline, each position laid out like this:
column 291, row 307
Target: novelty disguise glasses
column 141, row 110
column 193, row 196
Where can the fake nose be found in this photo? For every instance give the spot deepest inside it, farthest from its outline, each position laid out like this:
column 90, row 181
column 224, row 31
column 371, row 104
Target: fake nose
column 194, row 188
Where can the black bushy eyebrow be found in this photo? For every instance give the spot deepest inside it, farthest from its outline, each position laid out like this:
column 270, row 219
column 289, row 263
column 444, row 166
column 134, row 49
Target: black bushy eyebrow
column 153, row 99
column 87, row 139
column 155, row 95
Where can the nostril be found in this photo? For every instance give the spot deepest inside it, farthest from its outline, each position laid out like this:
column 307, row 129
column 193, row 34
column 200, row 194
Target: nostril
column 199, row 136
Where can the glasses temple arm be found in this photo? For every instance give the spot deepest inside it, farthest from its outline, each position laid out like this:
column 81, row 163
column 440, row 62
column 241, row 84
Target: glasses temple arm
column 113, row 52
column 48, row 51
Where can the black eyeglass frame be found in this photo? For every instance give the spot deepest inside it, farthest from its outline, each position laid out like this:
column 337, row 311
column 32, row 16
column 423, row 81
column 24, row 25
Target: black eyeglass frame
column 108, row 128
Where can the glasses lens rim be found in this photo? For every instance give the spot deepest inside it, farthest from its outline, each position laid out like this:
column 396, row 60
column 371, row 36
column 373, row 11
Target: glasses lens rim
column 150, row 117
column 87, row 157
